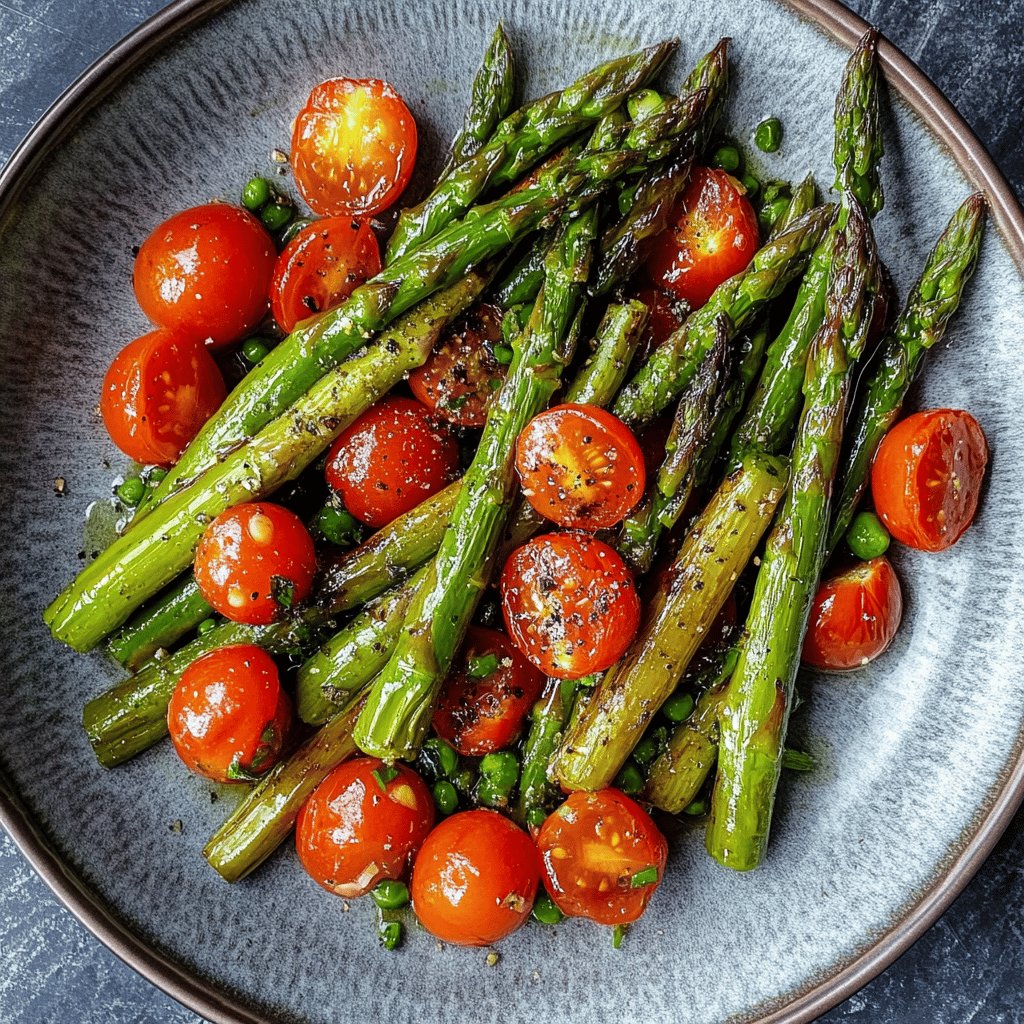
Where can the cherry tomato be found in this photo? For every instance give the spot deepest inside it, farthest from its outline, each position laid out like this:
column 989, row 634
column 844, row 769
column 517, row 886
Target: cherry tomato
column 485, row 700
column 475, row 879
column 580, row 466
column 228, row 716
column 569, row 603
column 462, row 375
column 159, row 391
column 363, row 824
column 255, row 561
column 353, row 147
column 206, row 272
column 322, row 265
column 602, row 857
column 927, row 476
column 393, row 457
column 854, row 617
column 665, row 315
column 713, row 235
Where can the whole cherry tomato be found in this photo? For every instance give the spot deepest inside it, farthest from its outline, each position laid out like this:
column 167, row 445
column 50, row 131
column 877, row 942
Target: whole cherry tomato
column 475, row 879
column 159, row 391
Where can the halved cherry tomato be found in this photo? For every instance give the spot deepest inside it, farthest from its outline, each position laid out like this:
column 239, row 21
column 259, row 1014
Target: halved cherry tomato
column 485, row 700
column 353, row 147
column 363, row 824
column 713, row 235
column 569, row 603
column 665, row 315
column 394, row 456
column 475, row 879
column 254, row 562
column 854, row 617
column 461, row 377
column 603, row 857
column 322, row 265
column 159, row 391
column 206, row 273
column 580, row 466
column 927, row 476
column 228, row 717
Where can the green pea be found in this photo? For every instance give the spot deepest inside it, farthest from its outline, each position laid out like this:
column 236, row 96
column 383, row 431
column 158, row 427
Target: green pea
column 545, row 911
column 294, row 228
column 444, row 756
column 774, row 210
column 650, row 746
column 867, row 537
column 155, row 476
column 727, row 157
column 276, row 215
column 630, row 780
column 132, row 491
column 338, row 526
column 643, row 104
column 678, row 707
column 503, row 354
column 501, row 767
column 768, row 135
column 389, row 933
column 254, row 350
column 536, row 816
column 697, row 808
column 752, row 185
column 390, row 895
column 206, row 625
column 256, row 194
column 446, row 797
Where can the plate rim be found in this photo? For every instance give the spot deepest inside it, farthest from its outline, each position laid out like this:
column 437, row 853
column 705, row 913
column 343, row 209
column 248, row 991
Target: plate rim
column 204, row 997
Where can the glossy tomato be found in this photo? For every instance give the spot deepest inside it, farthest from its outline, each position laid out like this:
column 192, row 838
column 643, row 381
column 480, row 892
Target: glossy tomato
column 462, row 375
column 159, row 391
column 487, row 697
column 254, row 562
column 602, row 857
column 322, row 265
column 569, row 603
column 713, row 235
column 353, row 147
column 475, row 879
column 394, row 456
column 854, row 617
column 206, row 273
column 363, row 824
column 580, row 466
column 228, row 717
column 927, row 476
column 665, row 315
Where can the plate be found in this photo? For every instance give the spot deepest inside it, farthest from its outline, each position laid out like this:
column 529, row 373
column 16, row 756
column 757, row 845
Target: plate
column 920, row 756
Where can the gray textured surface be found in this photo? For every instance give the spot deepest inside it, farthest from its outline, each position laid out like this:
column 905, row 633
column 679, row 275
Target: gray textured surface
column 964, row 970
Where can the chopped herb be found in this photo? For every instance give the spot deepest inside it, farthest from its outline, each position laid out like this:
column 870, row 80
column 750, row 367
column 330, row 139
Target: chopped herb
column 503, row 354
column 646, row 877
column 483, row 666
column 618, row 934
column 282, row 590
column 385, row 774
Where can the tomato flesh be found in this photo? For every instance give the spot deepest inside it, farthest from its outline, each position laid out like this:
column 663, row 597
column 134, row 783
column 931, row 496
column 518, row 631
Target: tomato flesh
column 713, row 235
column 569, row 603
column 665, row 315
column 854, row 617
column 927, row 476
column 353, row 147
column 475, row 879
column 255, row 561
column 205, row 272
column 228, row 717
column 602, row 856
column 321, row 266
column 391, row 458
column 580, row 466
column 159, row 391
column 363, row 824
column 478, row 714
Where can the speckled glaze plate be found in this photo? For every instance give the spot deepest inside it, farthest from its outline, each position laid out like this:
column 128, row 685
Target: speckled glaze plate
column 920, row 756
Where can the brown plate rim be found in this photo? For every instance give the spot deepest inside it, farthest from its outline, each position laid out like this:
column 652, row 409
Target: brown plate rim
column 207, row 999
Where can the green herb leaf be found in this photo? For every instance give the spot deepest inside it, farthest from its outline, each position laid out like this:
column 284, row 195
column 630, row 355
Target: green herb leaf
column 385, row 774
column 646, row 877
column 282, row 590
column 482, row 666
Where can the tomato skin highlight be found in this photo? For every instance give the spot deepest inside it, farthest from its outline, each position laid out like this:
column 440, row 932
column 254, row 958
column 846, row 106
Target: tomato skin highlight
column 854, row 617
column 206, row 272
column 592, row 848
column 391, row 458
column 570, row 604
column 478, row 716
column 320, row 267
column 357, row 828
column 254, row 561
column 228, row 716
column 927, row 475
column 580, row 466
column 353, row 147
column 713, row 236
column 475, row 879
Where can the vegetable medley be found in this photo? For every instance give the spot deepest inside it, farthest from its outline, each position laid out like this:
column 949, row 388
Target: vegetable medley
column 471, row 536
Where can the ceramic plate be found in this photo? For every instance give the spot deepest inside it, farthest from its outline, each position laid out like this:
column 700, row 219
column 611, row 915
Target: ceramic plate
column 920, row 756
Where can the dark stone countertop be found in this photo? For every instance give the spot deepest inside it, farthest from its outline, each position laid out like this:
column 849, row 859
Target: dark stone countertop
column 968, row 969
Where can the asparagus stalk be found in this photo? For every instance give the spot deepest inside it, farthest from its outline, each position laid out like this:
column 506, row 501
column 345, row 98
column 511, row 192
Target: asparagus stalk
column 756, row 705
column 521, row 284
column 398, row 709
column 858, row 137
column 615, row 343
column 703, row 574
